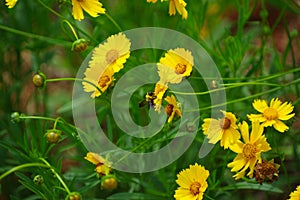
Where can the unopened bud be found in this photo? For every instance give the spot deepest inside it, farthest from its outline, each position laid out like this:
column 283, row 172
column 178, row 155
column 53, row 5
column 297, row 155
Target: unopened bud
column 109, row 182
column 80, row 45
column 39, row 79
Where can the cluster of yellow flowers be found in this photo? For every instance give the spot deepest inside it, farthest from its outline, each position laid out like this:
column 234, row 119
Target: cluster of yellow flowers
column 248, row 147
column 94, row 7
column 107, row 59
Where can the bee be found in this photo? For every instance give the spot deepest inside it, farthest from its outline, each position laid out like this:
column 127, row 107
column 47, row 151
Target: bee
column 150, row 97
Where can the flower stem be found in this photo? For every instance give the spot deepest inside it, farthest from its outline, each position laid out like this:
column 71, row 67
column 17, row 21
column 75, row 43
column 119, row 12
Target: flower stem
column 73, row 79
column 114, row 22
column 19, row 167
column 56, row 175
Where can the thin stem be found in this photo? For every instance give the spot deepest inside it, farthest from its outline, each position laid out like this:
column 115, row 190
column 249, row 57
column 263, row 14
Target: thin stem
column 19, row 167
column 71, row 27
column 114, row 22
column 57, row 175
column 39, row 37
column 73, row 79
column 55, row 123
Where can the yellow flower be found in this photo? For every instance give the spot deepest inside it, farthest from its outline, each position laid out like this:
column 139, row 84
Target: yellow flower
column 102, row 166
column 178, row 5
column 172, row 108
column 113, row 52
column 180, row 60
column 249, row 152
column 272, row 116
column 11, row 3
column 224, row 129
column 100, row 77
column 159, row 92
column 92, row 7
column 151, row 1
column 192, row 183
column 296, row 194
column 168, row 74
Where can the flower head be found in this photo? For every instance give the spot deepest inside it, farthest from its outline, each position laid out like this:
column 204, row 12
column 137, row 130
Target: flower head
column 172, row 108
column 102, row 165
column 274, row 114
column 159, row 92
column 180, row 61
column 192, row 183
column 92, row 7
column 178, row 5
column 266, row 171
column 11, row 3
column 249, row 151
column 296, row 194
column 100, row 77
column 224, row 130
column 113, row 52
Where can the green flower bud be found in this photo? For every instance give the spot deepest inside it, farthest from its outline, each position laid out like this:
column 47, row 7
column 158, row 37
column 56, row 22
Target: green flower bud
column 80, row 45
column 15, row 117
column 53, row 136
column 109, row 182
column 39, row 79
column 73, row 196
column 38, row 179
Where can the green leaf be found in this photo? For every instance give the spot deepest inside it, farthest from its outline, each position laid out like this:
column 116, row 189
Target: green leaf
column 253, row 186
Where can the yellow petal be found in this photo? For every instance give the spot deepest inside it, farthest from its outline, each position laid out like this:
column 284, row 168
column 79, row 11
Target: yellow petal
column 280, row 126
column 260, row 105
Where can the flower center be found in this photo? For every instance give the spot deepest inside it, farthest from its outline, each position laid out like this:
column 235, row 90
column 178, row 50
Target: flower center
column 81, row 0
column 169, row 109
column 225, row 123
column 180, row 68
column 194, row 188
column 270, row 113
column 112, row 55
column 103, row 81
column 249, row 151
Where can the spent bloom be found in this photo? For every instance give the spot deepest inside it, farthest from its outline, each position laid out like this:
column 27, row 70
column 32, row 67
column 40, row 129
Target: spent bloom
column 266, row 171
column 102, row 165
column 223, row 130
column 274, row 114
column 11, row 3
column 296, row 194
column 172, row 108
column 192, row 183
column 92, row 7
column 249, row 151
column 180, row 60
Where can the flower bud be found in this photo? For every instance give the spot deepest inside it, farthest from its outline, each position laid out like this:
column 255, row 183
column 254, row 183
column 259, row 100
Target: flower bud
column 53, row 135
column 109, row 182
column 73, row 196
column 80, row 45
column 15, row 117
column 38, row 179
column 39, row 79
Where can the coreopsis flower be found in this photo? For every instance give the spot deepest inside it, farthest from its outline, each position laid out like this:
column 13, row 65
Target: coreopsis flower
column 249, row 151
column 11, row 3
column 159, row 92
column 192, row 183
column 114, row 52
column 178, row 5
column 274, row 114
column 180, row 60
column 223, row 130
column 100, row 77
column 266, row 171
column 102, row 165
column 296, row 194
column 92, row 7
column 168, row 74
column 172, row 108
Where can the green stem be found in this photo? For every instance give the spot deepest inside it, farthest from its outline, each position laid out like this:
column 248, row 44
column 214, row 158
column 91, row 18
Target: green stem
column 39, row 37
column 73, row 79
column 71, row 27
column 55, row 123
column 19, row 167
column 57, row 175
column 114, row 22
